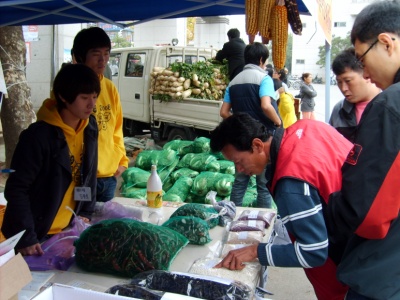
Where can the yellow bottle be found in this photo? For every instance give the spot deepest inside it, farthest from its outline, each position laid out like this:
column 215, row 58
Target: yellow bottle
column 154, row 189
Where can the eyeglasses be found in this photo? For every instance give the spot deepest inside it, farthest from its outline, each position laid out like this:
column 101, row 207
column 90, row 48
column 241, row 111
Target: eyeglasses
column 360, row 63
column 359, row 59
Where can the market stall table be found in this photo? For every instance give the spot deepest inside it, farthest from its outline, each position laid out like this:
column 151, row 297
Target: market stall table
column 75, row 276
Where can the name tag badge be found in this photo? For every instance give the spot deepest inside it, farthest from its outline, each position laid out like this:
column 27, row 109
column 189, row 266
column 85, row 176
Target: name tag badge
column 82, row 193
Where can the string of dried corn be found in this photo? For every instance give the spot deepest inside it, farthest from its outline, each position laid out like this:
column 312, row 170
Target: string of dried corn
column 252, row 7
column 264, row 15
column 279, row 33
column 294, row 16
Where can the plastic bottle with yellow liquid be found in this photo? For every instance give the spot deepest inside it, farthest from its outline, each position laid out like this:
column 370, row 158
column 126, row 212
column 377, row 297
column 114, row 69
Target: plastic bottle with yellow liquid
column 154, row 189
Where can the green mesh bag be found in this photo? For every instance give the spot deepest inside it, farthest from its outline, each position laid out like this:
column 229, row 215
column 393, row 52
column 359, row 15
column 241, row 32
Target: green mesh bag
column 182, row 147
column 161, row 158
column 135, row 177
column 201, row 145
column 133, row 192
column 202, row 211
column 194, row 229
column 213, row 181
column 179, row 191
column 127, row 247
column 227, row 167
column 183, row 172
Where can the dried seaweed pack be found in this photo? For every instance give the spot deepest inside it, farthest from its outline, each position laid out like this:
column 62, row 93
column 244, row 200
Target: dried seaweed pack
column 203, row 287
column 127, row 247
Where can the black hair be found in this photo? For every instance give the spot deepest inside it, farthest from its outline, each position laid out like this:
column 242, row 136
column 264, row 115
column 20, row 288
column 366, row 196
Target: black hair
column 277, row 84
column 270, row 71
column 89, row 38
column 374, row 19
column 269, row 66
column 72, row 80
column 233, row 33
column 238, row 130
column 304, row 76
column 346, row 59
column 254, row 52
column 282, row 75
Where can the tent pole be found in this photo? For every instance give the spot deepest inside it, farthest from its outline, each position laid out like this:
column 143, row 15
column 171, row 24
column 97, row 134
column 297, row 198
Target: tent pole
column 327, row 81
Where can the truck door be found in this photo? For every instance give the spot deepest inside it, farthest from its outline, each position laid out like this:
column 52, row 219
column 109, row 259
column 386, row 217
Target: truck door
column 133, row 85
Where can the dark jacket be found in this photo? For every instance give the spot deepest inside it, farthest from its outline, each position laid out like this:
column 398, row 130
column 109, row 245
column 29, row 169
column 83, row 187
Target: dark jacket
column 233, row 51
column 343, row 118
column 365, row 212
column 35, row 194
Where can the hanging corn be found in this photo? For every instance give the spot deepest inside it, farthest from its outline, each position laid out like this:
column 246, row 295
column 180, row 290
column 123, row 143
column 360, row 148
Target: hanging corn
column 252, row 8
column 279, row 33
column 264, row 15
column 294, row 16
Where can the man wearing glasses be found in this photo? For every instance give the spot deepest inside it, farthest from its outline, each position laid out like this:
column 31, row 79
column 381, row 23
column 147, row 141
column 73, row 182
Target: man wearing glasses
column 365, row 213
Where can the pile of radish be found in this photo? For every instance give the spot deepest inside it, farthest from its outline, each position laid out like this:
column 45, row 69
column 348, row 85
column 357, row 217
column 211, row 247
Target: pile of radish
column 202, row 80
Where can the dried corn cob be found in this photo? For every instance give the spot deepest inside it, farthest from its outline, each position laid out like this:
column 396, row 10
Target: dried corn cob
column 294, row 16
column 279, row 32
column 252, row 7
column 264, row 14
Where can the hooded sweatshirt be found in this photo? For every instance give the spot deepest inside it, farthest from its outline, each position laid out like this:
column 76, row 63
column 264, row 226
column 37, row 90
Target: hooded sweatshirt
column 48, row 113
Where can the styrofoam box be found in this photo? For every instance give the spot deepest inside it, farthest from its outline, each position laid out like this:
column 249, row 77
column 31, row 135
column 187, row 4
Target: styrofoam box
column 64, row 292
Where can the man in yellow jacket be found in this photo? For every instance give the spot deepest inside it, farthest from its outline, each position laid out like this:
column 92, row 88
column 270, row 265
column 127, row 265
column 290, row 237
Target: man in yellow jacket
column 92, row 47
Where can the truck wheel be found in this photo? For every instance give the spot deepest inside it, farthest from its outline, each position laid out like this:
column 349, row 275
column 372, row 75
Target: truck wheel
column 177, row 134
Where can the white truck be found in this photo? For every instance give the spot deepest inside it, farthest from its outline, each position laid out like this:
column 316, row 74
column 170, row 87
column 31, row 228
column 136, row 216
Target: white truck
column 178, row 119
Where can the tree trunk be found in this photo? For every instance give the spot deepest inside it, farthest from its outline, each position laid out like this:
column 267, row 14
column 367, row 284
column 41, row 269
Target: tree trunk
column 17, row 109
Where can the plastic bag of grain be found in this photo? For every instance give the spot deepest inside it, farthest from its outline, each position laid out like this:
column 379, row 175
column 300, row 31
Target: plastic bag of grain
column 249, row 276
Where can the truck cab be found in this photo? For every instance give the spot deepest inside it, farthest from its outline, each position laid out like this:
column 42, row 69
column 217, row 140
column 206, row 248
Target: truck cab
column 131, row 69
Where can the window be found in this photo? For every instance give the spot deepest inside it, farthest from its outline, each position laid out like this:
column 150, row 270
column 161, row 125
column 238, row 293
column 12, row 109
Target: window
column 189, row 59
column 339, row 24
column 135, row 64
column 113, row 62
column 300, row 61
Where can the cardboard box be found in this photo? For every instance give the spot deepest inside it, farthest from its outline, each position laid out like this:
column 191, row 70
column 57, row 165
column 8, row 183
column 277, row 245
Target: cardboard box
column 14, row 275
column 14, row 272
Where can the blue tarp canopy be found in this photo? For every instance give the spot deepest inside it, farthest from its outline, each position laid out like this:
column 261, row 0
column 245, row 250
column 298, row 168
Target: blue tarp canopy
column 50, row 12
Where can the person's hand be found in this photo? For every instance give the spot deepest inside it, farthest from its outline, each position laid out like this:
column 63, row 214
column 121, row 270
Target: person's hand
column 84, row 219
column 31, row 250
column 236, row 258
column 119, row 171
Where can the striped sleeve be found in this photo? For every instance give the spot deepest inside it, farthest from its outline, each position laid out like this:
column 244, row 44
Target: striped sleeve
column 299, row 206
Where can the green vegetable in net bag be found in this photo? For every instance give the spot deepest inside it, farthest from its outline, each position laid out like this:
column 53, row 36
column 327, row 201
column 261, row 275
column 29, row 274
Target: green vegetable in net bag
column 135, row 177
column 161, row 158
column 183, row 172
column 179, row 190
column 213, row 181
column 133, row 192
column 193, row 228
column 185, row 160
column 204, row 212
column 127, row 247
column 199, row 162
column 227, row 167
column 182, row 147
column 250, row 198
column 201, row 145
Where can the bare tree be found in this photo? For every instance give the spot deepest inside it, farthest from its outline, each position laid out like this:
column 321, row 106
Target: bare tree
column 17, row 110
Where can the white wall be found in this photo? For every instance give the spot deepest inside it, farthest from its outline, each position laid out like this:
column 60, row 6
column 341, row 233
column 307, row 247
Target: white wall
column 160, row 32
column 211, row 32
column 40, row 69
